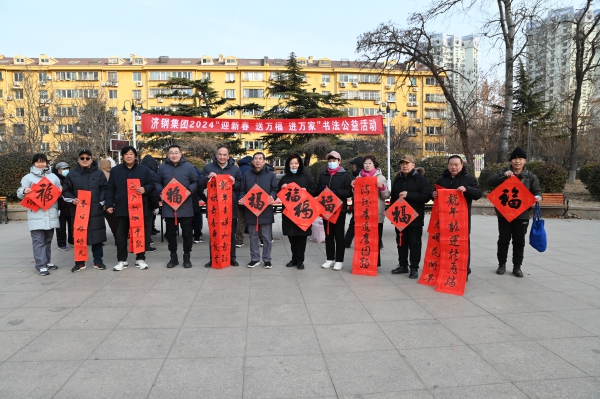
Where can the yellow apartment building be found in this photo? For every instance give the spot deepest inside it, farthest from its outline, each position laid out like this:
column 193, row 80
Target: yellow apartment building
column 49, row 101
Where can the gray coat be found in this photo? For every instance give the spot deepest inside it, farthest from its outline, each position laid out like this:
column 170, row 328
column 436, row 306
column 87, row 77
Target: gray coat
column 186, row 175
column 383, row 195
column 266, row 180
column 41, row 219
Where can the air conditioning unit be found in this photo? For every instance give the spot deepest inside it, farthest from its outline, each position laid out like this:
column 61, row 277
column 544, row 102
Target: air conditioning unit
column 139, row 84
column 415, row 89
column 323, row 84
column 342, row 84
column 17, row 84
column 160, row 99
column 9, row 98
column 355, row 84
column 419, row 146
column 405, row 114
column 384, row 104
column 388, row 86
column 115, row 84
column 138, row 102
column 11, row 115
column 419, row 120
column 43, row 83
column 48, row 77
column 418, row 129
column 105, row 84
column 377, row 102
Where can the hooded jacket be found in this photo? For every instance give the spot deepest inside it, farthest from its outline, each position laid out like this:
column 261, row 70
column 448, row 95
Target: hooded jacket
column 116, row 188
column 266, row 180
column 105, row 166
column 186, row 175
column 383, row 194
column 40, row 219
column 418, row 193
column 153, row 198
column 245, row 164
column 304, row 180
column 340, row 184
column 462, row 179
column 94, row 180
column 150, row 163
column 229, row 169
column 527, row 178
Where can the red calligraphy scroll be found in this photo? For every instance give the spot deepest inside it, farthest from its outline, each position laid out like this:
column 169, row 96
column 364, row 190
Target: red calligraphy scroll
column 256, row 200
column 454, row 242
column 137, row 236
column 366, row 226
column 29, row 204
column 431, row 264
column 299, row 206
column 80, row 224
column 174, row 194
column 511, row 198
column 401, row 214
column 219, row 213
column 44, row 194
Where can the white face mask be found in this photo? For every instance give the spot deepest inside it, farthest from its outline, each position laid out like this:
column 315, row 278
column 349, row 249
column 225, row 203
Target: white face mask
column 332, row 164
column 294, row 171
column 64, row 172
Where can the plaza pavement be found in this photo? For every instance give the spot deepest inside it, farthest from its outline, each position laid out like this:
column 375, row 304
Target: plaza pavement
column 285, row 333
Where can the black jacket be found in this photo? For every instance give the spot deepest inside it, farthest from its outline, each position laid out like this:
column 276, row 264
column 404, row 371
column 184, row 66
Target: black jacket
column 230, row 169
column 91, row 179
column 304, row 180
column 63, row 207
column 340, row 184
column 116, row 188
column 153, row 198
column 462, row 179
column 527, row 178
column 266, row 180
column 186, row 175
column 418, row 193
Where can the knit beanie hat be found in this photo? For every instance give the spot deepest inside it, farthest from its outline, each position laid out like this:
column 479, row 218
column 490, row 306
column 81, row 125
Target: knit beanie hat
column 518, row 153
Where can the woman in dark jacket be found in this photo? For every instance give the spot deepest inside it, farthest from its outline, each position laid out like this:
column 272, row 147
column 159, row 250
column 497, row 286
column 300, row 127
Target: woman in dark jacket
column 64, row 234
column 294, row 173
column 456, row 177
column 339, row 181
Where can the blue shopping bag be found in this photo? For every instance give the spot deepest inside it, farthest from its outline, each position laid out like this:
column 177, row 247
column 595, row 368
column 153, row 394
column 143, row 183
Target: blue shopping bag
column 537, row 236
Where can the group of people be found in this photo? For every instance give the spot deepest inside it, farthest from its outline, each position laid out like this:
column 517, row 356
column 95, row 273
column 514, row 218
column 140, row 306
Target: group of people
column 110, row 197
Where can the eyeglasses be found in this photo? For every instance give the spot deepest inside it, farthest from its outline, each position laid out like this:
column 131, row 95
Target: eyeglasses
column 84, row 158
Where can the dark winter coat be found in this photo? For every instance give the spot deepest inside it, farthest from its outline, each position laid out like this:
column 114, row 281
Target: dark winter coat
column 153, row 198
column 267, row 181
column 229, row 169
column 527, row 178
column 91, row 179
column 304, row 180
column 418, row 193
column 116, row 188
column 245, row 164
column 340, row 184
column 64, row 208
column 186, row 175
column 462, row 179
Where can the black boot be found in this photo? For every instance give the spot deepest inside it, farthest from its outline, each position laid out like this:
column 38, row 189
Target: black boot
column 414, row 273
column 186, row 260
column 174, row 261
column 300, row 266
column 517, row 271
column 501, row 269
column 291, row 263
column 400, row 270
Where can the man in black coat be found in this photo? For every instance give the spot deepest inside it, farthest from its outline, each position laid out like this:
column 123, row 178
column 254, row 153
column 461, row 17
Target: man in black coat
column 415, row 189
column 87, row 176
column 117, row 202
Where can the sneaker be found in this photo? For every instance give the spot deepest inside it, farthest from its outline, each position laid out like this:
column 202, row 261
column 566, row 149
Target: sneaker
column 338, row 266
column 327, row 264
column 253, row 263
column 239, row 245
column 51, row 266
column 151, row 243
column 64, row 248
column 150, row 249
column 268, row 265
column 120, row 266
column 78, row 267
column 100, row 266
column 141, row 264
column 198, row 241
column 260, row 243
column 43, row 271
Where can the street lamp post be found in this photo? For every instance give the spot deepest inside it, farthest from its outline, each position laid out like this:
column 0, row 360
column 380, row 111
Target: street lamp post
column 139, row 110
column 389, row 113
column 531, row 122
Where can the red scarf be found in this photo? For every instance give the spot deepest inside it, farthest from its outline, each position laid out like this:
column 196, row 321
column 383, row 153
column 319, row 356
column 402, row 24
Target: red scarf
column 334, row 171
column 364, row 173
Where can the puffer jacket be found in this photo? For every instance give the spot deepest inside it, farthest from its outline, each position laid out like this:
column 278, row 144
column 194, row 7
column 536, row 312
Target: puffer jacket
column 230, row 169
column 116, row 188
column 245, row 164
column 304, row 180
column 267, row 181
column 186, row 175
column 383, row 194
column 340, row 184
column 527, row 178
column 41, row 219
column 418, row 193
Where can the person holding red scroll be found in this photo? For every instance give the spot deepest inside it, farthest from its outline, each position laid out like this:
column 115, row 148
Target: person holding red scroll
column 517, row 229
column 294, row 173
column 119, row 203
column 339, row 182
column 411, row 185
column 456, row 177
column 41, row 222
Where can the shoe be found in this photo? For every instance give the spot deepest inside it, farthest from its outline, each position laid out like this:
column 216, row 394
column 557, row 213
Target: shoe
column 51, row 266
column 501, row 269
column 198, row 241
column 208, row 264
column 338, row 266
column 43, row 271
column 63, row 248
column 151, row 243
column 77, row 268
column 186, row 260
column 300, row 266
column 174, row 261
column 414, row 273
column 268, row 265
column 348, row 245
column 100, row 266
column 239, row 245
column 260, row 243
column 517, row 271
column 291, row 263
column 234, row 263
column 120, row 266
column 141, row 264
column 253, row 263
column 327, row 264
column 150, row 249
column 400, row 270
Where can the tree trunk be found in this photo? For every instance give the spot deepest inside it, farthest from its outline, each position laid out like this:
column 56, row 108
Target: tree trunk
column 508, row 31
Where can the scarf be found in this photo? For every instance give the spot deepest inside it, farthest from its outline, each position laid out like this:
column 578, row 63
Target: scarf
column 334, row 171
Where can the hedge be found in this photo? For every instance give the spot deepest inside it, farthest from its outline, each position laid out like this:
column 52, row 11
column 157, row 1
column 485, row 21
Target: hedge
column 13, row 166
column 552, row 177
column 585, row 172
column 593, row 182
column 490, row 170
column 317, row 168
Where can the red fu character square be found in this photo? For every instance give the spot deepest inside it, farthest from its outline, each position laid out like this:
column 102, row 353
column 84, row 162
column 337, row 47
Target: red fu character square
column 174, row 194
column 329, row 204
column 401, row 214
column 299, row 206
column 256, row 200
column 511, row 198
column 44, row 194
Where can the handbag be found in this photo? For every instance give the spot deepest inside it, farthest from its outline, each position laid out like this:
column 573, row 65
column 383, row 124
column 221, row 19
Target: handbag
column 537, row 236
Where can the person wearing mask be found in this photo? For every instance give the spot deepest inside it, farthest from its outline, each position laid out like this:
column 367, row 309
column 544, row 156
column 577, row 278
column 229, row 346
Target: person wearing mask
column 339, row 182
column 175, row 167
column 87, row 176
column 294, row 173
column 41, row 223
column 223, row 164
column 106, row 167
column 265, row 179
column 357, row 165
column 456, row 177
column 117, row 202
column 370, row 168
column 64, row 233
column 517, row 229
column 411, row 185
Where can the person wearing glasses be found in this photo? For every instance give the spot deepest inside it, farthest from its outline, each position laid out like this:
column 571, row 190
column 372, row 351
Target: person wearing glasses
column 87, row 176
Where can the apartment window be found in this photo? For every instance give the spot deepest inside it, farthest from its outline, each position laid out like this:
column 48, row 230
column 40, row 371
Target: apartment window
column 412, row 81
column 434, row 114
column 412, row 131
column 369, row 95
column 20, row 112
column 87, row 75
column 44, row 129
column 390, row 80
column 369, row 78
column 1, row 93
column 67, row 128
column 136, row 94
column 348, row 94
column 43, row 112
column 18, row 76
column 205, row 75
column 112, row 77
column 112, row 94
column 325, row 78
column 231, row 61
column 65, row 75
column 256, row 76
column 370, row 111
column 412, row 98
column 229, row 77
column 437, row 147
column 253, row 112
column 137, row 76
column 325, row 93
column 66, row 111
column 45, row 147
column 113, row 60
column 114, row 111
column 230, row 93
column 253, row 145
column 348, row 77
column 166, row 109
column 433, row 130
column 87, row 93
column 155, row 92
column 435, row 98
column 181, row 74
column 412, row 114
column 43, row 94
column 138, row 61
column 43, row 76
column 350, row 111
column 18, row 94
column 160, row 75
column 390, row 97
column 19, row 129
column 230, row 112
column 254, row 93
column 1, row 75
